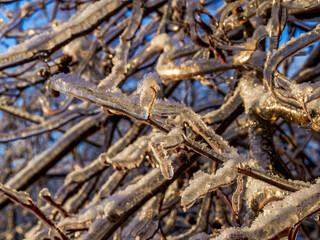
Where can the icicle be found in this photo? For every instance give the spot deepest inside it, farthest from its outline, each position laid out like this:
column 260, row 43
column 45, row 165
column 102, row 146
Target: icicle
column 161, row 144
column 162, row 158
column 148, row 89
column 236, row 197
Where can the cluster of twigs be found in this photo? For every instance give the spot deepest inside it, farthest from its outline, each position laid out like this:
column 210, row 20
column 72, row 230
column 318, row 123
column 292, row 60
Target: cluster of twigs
column 177, row 119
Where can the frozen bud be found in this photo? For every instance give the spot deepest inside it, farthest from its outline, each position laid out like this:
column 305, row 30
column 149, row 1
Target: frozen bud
column 44, row 193
column 45, row 73
column 31, row 32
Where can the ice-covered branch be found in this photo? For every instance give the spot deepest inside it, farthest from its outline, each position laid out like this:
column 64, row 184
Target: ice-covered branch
column 145, row 223
column 160, row 144
column 46, row 126
column 48, row 42
column 52, row 155
column 171, row 71
column 130, row 157
column 277, row 57
column 23, row 199
column 262, row 102
column 279, row 215
column 202, row 183
column 83, row 174
column 115, row 101
column 119, row 69
column 225, row 109
column 169, row 103
column 116, row 209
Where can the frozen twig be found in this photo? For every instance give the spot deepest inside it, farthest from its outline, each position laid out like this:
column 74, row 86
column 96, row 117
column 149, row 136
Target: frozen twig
column 23, row 199
column 119, row 70
column 278, row 216
column 42, row 162
column 48, row 42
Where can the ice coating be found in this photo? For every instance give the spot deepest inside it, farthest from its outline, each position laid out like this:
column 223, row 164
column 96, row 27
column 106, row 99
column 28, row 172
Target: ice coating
column 160, row 145
column 236, row 197
column 285, row 51
column 162, row 158
column 300, row 4
column 249, row 48
column 115, row 100
column 189, row 69
column 65, row 82
column 204, row 182
column 145, row 223
column 40, row 162
column 119, row 70
column 20, row 196
column 260, row 99
column 148, row 89
column 47, row 41
column 130, row 157
column 45, row 126
column 24, row 199
column 121, row 201
column 276, row 25
column 182, row 134
column 44, row 193
column 215, row 141
column 150, row 50
column 222, row 112
column 279, row 215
